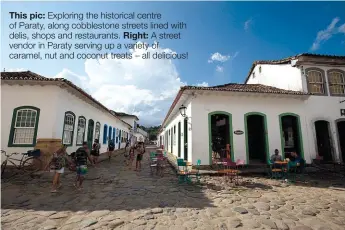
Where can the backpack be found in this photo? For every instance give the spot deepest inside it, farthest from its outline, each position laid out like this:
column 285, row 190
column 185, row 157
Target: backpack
column 81, row 156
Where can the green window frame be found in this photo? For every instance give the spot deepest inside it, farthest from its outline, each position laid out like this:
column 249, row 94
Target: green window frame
column 81, row 130
column 24, row 126
column 68, row 128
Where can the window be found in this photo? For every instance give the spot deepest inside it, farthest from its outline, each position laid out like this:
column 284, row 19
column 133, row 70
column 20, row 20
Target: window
column 259, row 69
column 68, row 128
column 81, row 130
column 174, row 135
column 110, row 132
column 117, row 135
column 114, row 131
column 253, row 74
column 24, row 126
column 98, row 130
column 336, row 80
column 105, row 131
column 316, row 83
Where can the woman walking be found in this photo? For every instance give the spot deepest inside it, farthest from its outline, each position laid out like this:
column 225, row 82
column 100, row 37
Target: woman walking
column 57, row 166
column 95, row 151
column 141, row 151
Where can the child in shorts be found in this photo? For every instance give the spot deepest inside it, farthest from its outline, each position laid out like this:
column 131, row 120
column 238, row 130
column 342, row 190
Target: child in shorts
column 130, row 157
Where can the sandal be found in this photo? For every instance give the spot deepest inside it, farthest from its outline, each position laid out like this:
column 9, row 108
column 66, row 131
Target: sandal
column 60, row 185
column 53, row 191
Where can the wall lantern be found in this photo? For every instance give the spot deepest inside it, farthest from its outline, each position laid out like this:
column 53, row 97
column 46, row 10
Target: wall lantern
column 183, row 110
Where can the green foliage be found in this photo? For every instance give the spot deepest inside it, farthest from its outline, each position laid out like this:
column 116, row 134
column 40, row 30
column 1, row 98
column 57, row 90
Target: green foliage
column 152, row 131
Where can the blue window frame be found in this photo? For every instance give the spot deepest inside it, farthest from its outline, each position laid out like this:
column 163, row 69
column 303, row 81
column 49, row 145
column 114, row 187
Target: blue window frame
column 110, row 132
column 114, row 131
column 105, row 136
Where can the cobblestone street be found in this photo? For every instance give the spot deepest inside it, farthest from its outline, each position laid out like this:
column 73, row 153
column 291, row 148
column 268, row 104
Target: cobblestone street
column 115, row 197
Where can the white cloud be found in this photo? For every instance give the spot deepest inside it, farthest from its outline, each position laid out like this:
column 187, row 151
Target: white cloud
column 143, row 87
column 203, row 84
column 221, row 59
column 219, row 69
column 218, row 57
column 324, row 35
column 247, row 24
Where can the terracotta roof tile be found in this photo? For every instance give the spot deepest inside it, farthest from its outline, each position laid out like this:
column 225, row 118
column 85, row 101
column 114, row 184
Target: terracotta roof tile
column 251, row 88
column 235, row 87
column 30, row 76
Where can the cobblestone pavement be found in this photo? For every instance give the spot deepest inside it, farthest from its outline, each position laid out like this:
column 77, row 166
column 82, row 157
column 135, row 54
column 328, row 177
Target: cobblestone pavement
column 115, row 197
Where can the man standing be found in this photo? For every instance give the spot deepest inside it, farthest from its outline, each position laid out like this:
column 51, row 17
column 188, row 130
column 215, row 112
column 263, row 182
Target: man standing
column 81, row 157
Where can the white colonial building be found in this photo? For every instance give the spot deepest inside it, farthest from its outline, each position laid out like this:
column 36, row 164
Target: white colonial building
column 38, row 108
column 294, row 104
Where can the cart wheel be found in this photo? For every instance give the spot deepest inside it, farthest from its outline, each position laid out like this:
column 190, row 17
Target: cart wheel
column 32, row 165
column 3, row 166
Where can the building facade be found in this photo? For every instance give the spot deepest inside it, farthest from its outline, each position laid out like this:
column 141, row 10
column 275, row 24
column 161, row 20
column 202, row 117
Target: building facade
column 293, row 105
column 34, row 107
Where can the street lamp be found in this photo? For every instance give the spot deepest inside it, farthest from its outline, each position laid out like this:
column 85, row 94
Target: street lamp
column 183, row 110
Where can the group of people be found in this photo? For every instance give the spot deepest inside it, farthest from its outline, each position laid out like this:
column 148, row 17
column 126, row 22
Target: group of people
column 294, row 157
column 139, row 150
column 78, row 161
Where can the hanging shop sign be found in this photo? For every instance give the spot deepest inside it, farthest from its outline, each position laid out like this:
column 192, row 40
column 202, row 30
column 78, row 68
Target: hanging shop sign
column 342, row 112
column 238, row 132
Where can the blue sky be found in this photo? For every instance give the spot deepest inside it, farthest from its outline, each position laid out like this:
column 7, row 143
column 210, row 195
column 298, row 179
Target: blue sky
column 241, row 32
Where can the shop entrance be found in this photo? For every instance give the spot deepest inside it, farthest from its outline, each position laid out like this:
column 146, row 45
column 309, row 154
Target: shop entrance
column 256, row 137
column 220, row 135
column 323, row 140
column 341, row 138
column 291, row 135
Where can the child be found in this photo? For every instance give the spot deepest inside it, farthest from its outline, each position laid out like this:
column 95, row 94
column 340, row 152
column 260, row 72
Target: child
column 111, row 148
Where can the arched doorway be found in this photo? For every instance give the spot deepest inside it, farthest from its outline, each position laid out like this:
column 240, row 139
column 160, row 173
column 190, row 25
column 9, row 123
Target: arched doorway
column 341, row 137
column 290, row 134
column 256, row 137
column 323, row 140
column 220, row 135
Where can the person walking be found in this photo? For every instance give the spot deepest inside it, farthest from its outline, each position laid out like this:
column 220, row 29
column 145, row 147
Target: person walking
column 95, row 151
column 81, row 157
column 140, row 153
column 57, row 166
column 111, row 148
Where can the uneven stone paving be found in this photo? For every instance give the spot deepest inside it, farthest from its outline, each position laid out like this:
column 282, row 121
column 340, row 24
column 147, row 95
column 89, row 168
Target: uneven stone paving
column 115, row 197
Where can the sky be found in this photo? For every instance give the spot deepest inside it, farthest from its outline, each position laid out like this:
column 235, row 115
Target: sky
column 222, row 39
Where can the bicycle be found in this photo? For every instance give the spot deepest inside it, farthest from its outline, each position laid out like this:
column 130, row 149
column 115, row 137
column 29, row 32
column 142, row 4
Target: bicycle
column 29, row 163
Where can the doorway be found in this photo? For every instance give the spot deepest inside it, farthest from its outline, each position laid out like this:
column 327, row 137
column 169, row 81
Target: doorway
column 323, row 140
column 341, row 138
column 90, row 128
column 220, row 134
column 185, row 134
column 291, row 135
column 179, row 139
column 256, row 138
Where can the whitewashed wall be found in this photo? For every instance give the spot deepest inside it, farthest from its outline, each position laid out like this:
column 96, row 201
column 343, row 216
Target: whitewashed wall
column 53, row 102
column 44, row 98
column 282, row 76
column 68, row 102
column 316, row 107
column 173, row 121
column 238, row 106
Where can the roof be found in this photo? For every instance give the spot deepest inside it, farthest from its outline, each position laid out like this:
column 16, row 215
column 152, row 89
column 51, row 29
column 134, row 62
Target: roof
column 121, row 114
column 235, row 87
column 30, row 76
column 289, row 59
